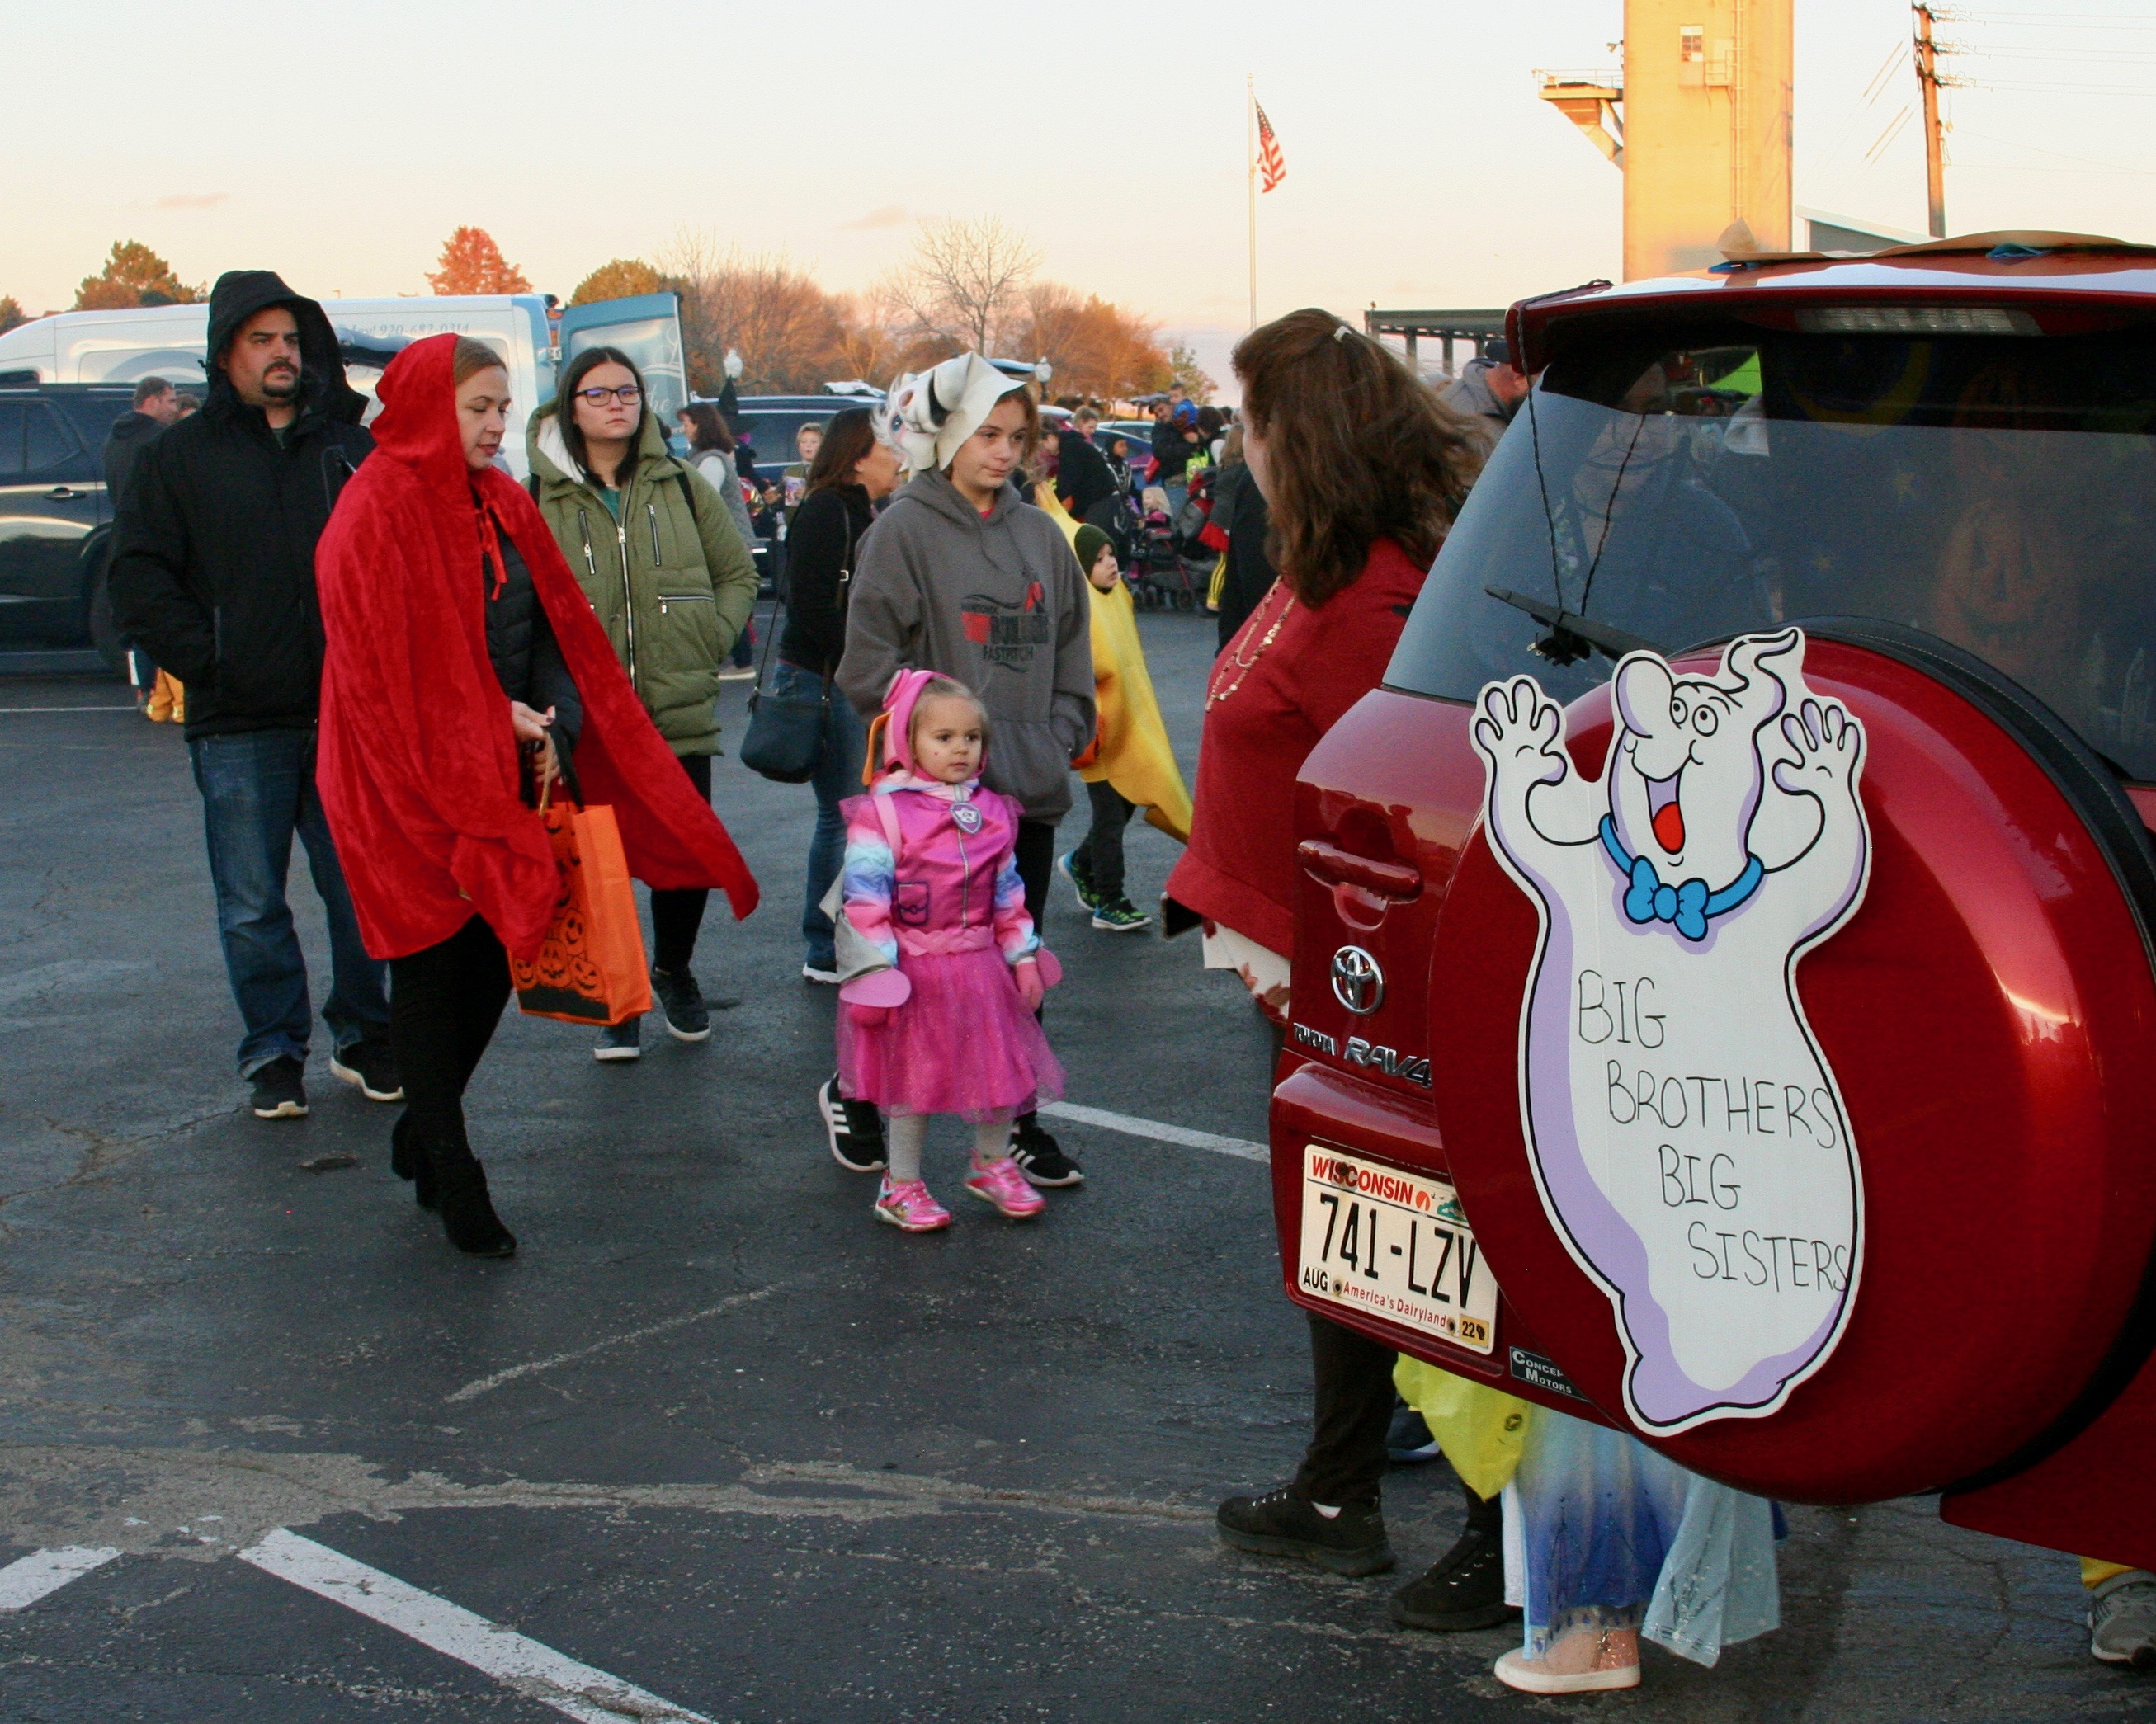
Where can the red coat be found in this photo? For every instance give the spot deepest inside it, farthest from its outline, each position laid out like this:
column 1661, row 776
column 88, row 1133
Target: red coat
column 418, row 765
column 1267, row 706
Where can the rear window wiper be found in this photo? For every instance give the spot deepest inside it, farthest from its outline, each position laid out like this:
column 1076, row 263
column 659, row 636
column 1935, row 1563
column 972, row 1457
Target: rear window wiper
column 1571, row 636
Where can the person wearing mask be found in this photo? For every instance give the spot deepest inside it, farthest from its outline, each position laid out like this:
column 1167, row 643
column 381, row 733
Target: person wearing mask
column 962, row 578
column 1488, row 389
column 212, row 574
column 157, row 405
column 1239, row 510
column 711, row 454
column 463, row 669
column 659, row 559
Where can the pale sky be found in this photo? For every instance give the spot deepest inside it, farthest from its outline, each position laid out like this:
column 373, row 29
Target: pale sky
column 341, row 144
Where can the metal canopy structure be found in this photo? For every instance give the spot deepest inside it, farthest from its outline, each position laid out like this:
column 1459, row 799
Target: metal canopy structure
column 1445, row 327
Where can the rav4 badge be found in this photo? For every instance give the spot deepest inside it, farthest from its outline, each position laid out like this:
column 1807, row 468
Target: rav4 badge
column 1687, row 1135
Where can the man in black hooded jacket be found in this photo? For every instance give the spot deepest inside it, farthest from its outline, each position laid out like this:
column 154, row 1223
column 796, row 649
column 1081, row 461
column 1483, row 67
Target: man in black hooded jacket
column 213, row 574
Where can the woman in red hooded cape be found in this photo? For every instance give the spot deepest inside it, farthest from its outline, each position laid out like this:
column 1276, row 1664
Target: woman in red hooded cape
column 419, row 766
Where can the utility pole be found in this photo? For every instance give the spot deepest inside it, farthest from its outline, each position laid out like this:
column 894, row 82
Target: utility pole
column 1927, row 76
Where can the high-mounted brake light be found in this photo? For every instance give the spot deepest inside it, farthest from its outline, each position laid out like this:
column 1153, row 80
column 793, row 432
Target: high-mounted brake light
column 1915, row 321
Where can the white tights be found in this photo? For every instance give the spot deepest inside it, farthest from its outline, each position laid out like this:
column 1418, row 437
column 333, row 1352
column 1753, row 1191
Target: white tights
column 905, row 1133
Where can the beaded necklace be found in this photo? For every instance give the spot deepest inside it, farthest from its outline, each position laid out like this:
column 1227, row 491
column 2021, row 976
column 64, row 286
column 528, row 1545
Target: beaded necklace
column 1239, row 664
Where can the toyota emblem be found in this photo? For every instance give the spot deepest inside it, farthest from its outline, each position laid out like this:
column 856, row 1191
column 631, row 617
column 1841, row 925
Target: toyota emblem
column 1358, row 982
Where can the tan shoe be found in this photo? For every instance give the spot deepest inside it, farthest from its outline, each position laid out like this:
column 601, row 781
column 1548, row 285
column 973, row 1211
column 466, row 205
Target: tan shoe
column 1583, row 1661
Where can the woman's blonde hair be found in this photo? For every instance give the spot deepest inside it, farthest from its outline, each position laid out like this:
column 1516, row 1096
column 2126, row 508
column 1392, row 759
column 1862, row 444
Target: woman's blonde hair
column 470, row 358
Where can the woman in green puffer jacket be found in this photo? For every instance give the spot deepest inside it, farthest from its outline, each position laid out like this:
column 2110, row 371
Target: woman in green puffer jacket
column 660, row 560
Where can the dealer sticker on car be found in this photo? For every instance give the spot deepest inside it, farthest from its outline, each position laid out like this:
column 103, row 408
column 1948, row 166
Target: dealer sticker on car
column 1396, row 1245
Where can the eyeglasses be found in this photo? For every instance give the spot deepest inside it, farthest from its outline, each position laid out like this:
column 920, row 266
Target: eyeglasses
column 628, row 395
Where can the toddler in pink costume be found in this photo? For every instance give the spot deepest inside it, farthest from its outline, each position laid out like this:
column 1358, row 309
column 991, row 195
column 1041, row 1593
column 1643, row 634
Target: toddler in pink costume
column 929, row 884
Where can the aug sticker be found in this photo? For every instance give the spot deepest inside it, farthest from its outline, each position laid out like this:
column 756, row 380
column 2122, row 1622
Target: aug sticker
column 1686, row 1135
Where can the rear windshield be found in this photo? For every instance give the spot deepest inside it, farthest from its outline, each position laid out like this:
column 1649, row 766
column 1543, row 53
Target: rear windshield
column 1999, row 492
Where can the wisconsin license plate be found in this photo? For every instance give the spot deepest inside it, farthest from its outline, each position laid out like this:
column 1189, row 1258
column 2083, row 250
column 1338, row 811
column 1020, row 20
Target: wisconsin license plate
column 1395, row 1246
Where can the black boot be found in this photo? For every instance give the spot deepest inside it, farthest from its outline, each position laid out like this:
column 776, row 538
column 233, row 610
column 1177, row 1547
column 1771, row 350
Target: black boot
column 1465, row 1587
column 408, row 1162
column 1283, row 1522
column 467, row 1217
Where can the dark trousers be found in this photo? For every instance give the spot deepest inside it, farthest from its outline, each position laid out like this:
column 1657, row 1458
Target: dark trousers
column 677, row 914
column 1100, row 858
column 1353, row 1381
column 1034, row 856
column 443, row 1005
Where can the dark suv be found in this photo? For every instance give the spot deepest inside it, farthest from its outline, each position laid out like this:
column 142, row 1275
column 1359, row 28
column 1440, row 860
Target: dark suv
column 54, row 517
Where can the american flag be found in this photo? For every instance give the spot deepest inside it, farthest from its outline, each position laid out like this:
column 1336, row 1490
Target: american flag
column 1272, row 166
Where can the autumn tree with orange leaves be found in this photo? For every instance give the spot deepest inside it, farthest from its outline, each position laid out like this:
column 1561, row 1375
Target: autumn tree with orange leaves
column 133, row 275
column 472, row 263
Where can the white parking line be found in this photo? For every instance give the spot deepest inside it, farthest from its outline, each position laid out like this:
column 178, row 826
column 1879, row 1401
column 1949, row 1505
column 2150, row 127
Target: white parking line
column 1135, row 1127
column 24, row 1582
column 67, row 709
column 536, row 1671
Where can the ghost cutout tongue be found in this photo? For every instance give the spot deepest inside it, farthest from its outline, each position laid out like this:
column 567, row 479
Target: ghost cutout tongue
column 1687, row 1135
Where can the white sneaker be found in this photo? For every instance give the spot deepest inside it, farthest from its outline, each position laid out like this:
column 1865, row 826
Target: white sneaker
column 2123, row 1619
column 809, row 972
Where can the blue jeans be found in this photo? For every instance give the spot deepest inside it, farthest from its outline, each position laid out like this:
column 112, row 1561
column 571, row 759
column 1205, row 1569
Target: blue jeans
column 838, row 776
column 258, row 788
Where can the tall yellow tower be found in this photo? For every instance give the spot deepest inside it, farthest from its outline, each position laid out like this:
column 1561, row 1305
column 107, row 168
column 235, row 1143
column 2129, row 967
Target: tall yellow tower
column 1699, row 124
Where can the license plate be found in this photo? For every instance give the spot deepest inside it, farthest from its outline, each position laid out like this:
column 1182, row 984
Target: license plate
column 1395, row 1246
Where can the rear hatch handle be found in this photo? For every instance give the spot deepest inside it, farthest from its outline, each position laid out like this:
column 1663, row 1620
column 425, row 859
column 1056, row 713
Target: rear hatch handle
column 1393, row 880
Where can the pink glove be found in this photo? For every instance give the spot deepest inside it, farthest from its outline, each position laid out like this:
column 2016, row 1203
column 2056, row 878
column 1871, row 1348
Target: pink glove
column 869, row 1016
column 1031, row 987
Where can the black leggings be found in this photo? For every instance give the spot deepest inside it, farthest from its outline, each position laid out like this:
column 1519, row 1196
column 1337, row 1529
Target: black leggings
column 443, row 1005
column 676, row 915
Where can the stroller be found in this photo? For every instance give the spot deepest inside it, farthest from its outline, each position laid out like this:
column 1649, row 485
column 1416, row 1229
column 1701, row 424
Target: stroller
column 1176, row 564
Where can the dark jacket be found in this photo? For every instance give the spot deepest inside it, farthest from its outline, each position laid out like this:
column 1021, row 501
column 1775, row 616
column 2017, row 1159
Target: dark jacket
column 821, row 546
column 1239, row 510
column 521, row 645
column 1082, row 478
column 130, row 435
column 1172, row 449
column 212, row 569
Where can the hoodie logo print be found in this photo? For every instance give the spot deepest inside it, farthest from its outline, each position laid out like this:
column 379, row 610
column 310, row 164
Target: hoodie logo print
column 1006, row 634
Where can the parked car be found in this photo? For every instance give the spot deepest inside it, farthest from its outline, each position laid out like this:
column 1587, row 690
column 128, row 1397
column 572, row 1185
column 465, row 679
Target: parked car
column 55, row 515
column 1929, row 476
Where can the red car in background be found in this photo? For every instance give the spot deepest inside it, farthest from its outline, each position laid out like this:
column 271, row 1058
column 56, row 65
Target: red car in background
column 1941, row 463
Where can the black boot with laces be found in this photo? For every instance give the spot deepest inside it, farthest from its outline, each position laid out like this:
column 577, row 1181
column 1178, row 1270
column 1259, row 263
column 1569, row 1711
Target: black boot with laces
column 1284, row 1523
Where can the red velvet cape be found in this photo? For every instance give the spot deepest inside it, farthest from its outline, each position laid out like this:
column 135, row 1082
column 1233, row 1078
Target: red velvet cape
column 418, row 766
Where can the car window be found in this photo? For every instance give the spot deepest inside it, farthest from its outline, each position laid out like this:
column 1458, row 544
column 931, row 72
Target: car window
column 11, row 439
column 1999, row 492
column 47, row 445
column 93, row 416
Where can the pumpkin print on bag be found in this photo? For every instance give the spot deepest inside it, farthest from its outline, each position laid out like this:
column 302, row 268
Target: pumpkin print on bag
column 590, row 968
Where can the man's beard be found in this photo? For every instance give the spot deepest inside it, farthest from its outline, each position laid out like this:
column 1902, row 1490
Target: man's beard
column 281, row 383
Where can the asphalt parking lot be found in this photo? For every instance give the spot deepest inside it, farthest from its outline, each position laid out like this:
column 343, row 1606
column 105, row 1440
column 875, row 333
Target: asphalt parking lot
column 714, row 1445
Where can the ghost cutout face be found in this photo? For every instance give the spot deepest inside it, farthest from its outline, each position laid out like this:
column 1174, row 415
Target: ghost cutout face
column 1688, row 1138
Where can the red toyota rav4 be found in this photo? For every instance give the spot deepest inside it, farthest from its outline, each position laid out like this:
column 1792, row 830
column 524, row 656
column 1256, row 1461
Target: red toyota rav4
column 1939, row 464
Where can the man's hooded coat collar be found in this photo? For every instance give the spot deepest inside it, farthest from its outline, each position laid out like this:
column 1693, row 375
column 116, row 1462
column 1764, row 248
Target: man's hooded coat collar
column 239, row 294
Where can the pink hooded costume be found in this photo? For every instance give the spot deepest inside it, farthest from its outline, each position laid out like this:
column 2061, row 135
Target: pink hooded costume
column 929, row 880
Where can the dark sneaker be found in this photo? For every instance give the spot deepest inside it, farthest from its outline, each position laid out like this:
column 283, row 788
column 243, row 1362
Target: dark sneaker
column 1119, row 915
column 1284, row 1523
column 1408, row 1442
column 1040, row 1158
column 2122, row 1619
column 621, row 1041
column 371, row 1066
column 855, row 1129
column 682, row 1004
column 1465, row 1589
column 279, row 1092
column 1081, row 882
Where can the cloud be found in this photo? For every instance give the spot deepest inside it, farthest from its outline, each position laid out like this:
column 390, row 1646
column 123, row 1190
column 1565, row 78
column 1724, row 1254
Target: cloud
column 192, row 200
column 891, row 215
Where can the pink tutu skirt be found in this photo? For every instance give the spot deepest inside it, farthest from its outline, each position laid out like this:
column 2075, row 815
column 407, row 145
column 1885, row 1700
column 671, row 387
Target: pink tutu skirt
column 963, row 1044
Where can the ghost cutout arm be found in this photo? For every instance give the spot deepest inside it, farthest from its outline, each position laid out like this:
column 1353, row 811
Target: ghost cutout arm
column 1536, row 802
column 1828, row 746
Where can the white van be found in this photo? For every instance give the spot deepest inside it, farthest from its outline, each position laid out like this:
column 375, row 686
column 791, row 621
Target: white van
column 170, row 341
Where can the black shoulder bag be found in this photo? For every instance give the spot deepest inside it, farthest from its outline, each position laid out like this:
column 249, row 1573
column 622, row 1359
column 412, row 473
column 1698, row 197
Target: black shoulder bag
column 786, row 734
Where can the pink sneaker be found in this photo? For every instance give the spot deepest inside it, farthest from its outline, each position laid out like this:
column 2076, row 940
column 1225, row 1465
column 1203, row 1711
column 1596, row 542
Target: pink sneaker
column 1001, row 1184
column 910, row 1206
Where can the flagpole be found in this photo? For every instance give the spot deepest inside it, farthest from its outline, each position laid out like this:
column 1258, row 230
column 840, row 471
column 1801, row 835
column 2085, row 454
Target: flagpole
column 1251, row 166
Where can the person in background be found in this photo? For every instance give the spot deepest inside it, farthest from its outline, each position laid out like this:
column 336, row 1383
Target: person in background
column 1118, row 455
column 657, row 554
column 212, row 574
column 807, row 440
column 185, row 405
column 1083, row 484
column 962, row 578
column 711, row 454
column 1130, row 764
column 1239, row 510
column 1175, row 442
column 157, row 405
column 1489, row 389
column 1180, row 406
column 462, row 668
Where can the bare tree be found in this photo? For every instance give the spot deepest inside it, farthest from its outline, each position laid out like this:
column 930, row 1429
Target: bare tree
column 965, row 282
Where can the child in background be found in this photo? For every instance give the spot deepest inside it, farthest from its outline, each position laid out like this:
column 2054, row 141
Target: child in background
column 1130, row 764
column 931, row 884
